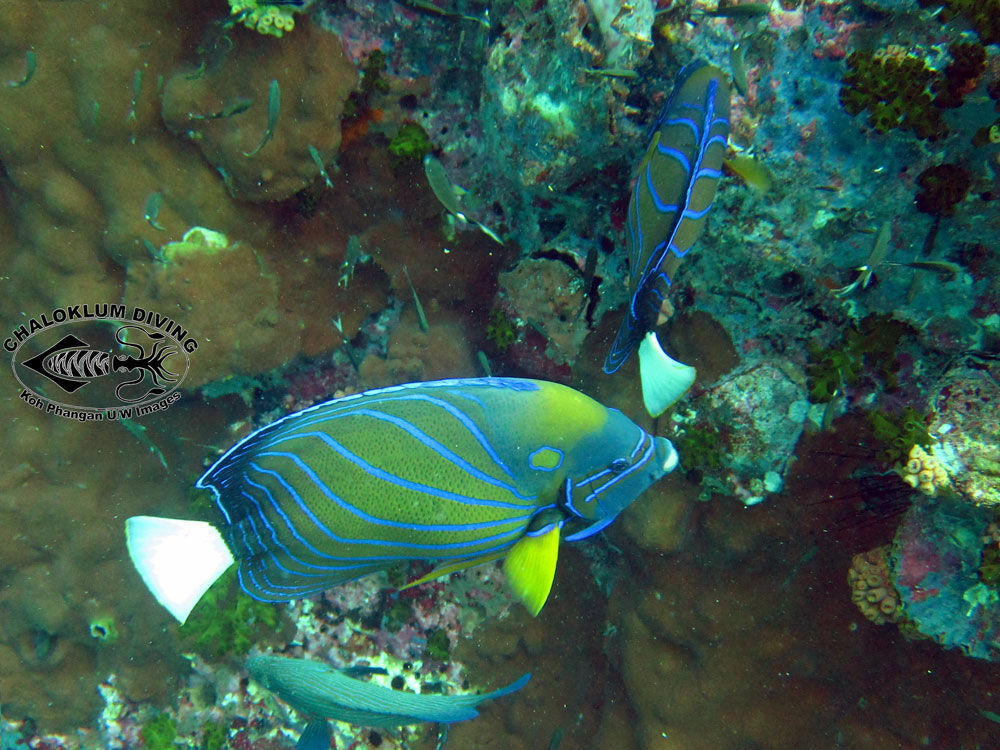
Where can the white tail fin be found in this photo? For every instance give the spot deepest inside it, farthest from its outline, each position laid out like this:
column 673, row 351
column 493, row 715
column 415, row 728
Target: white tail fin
column 178, row 560
column 664, row 379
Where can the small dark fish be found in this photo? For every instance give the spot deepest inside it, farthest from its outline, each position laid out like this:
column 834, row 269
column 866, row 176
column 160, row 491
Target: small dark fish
column 426, row 6
column 30, row 64
column 153, row 203
column 318, row 161
column 136, row 89
column 611, row 72
column 946, row 271
column 273, row 110
column 153, row 251
column 747, row 10
column 421, row 318
column 236, row 107
column 197, row 73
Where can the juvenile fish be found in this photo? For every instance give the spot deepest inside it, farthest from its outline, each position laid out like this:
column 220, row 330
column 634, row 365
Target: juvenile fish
column 747, row 10
column 30, row 65
column 152, row 211
column 273, row 110
column 450, row 195
column 317, row 690
column 461, row 471
column 318, row 161
column 675, row 185
column 421, row 318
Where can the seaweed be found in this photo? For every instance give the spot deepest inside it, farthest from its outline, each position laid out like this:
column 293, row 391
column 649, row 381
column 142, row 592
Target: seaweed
column 226, row 620
column 500, row 330
column 438, row 645
column 868, row 347
column 898, row 434
column 159, row 732
column 942, row 187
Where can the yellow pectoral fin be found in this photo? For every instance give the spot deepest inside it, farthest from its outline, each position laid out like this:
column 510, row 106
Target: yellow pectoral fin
column 443, row 570
column 531, row 566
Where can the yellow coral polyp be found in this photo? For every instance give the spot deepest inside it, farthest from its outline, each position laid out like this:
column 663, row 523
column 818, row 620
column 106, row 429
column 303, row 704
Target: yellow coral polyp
column 923, row 471
column 263, row 18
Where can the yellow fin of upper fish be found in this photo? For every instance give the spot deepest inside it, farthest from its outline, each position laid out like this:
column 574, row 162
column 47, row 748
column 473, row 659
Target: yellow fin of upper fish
column 531, row 567
column 443, row 570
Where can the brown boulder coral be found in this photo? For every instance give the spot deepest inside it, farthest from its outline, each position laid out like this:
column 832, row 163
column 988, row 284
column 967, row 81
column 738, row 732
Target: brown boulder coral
column 255, row 123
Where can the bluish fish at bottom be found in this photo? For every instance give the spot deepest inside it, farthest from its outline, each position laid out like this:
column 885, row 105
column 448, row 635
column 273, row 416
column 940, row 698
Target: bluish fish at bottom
column 319, row 691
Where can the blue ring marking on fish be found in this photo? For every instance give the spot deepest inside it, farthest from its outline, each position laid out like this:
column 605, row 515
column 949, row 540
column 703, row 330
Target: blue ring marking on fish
column 398, row 481
column 650, row 449
column 378, row 473
column 545, row 448
column 377, row 542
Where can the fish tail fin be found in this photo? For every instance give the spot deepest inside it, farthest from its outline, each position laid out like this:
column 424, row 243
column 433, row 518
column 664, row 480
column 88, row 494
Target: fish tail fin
column 513, row 687
column 178, row 560
column 316, row 736
column 664, row 379
column 531, row 567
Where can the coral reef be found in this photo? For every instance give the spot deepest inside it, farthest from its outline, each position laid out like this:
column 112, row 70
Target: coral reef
column 262, row 150
column 871, row 586
column 936, row 562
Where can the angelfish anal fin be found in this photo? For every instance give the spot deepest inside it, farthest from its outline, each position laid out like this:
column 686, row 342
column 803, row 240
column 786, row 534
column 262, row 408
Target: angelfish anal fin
column 530, row 567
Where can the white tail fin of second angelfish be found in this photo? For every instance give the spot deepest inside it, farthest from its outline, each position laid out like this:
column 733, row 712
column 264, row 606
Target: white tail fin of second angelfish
column 664, row 379
column 178, row 560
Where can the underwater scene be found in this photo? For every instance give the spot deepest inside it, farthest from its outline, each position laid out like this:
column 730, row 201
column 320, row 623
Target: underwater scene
column 515, row 374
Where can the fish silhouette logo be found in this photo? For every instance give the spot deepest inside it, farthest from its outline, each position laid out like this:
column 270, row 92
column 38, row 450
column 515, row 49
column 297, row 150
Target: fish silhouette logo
column 96, row 362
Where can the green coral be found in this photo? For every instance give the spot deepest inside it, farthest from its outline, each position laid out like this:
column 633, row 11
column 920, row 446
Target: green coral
column 226, row 620
column 500, row 330
column 411, row 143
column 899, row 434
column 159, row 733
column 896, row 92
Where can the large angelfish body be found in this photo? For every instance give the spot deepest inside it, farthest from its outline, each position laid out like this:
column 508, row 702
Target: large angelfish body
column 459, row 471
column 675, row 185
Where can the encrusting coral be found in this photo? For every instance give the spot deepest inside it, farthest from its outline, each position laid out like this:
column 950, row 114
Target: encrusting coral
column 871, row 586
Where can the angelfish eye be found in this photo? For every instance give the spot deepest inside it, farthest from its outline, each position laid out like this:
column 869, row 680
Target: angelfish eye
column 619, row 465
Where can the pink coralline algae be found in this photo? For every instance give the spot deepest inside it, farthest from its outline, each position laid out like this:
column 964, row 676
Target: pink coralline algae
column 935, row 560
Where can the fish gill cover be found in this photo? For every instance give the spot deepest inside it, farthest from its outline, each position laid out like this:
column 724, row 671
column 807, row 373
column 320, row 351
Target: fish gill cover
column 848, row 310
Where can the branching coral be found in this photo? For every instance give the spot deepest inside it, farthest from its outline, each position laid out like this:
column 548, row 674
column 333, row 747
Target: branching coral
column 871, row 587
